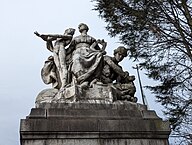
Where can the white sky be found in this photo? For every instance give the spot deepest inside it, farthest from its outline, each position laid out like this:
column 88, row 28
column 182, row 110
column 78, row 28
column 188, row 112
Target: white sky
column 23, row 54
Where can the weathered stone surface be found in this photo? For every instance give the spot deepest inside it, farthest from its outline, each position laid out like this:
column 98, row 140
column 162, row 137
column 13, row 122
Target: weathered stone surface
column 38, row 113
column 46, row 96
column 98, row 142
column 94, row 124
column 92, row 100
column 78, row 64
column 99, row 93
column 119, row 105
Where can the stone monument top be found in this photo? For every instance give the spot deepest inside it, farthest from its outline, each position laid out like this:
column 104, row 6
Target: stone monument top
column 81, row 71
column 92, row 100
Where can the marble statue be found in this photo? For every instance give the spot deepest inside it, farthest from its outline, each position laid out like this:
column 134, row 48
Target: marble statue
column 87, row 57
column 112, row 71
column 80, row 70
column 55, row 69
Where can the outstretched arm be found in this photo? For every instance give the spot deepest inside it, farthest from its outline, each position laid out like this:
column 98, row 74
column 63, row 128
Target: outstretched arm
column 60, row 36
column 44, row 37
column 52, row 37
column 47, row 39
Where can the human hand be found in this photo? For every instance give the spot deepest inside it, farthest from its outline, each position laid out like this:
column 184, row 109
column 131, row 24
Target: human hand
column 36, row 33
column 131, row 78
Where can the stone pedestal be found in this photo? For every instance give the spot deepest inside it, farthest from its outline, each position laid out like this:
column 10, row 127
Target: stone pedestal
column 119, row 123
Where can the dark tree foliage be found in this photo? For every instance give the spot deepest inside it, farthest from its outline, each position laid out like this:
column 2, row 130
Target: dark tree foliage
column 159, row 35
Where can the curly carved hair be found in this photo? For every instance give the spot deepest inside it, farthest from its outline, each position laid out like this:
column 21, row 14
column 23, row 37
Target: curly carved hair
column 69, row 31
column 121, row 50
column 84, row 28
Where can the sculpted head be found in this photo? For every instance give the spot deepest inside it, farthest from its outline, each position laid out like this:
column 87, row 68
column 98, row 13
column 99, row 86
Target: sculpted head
column 69, row 31
column 83, row 27
column 120, row 53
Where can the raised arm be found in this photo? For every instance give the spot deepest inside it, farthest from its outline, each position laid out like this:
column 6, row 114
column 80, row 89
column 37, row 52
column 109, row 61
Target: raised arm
column 44, row 37
column 60, row 36
column 52, row 37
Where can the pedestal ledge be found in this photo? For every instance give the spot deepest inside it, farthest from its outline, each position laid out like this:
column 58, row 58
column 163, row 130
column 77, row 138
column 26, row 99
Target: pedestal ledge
column 93, row 124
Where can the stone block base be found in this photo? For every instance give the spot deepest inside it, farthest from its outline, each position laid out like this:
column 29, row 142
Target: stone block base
column 93, row 124
column 97, row 142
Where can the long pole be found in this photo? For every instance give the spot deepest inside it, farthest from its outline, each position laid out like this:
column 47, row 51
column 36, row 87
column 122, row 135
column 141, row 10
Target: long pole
column 144, row 99
column 141, row 88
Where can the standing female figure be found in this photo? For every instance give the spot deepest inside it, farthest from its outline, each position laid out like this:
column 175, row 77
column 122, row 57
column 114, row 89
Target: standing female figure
column 87, row 57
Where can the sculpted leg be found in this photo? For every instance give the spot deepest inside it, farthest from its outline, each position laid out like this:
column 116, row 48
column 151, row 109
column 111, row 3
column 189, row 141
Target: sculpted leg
column 59, row 59
column 62, row 60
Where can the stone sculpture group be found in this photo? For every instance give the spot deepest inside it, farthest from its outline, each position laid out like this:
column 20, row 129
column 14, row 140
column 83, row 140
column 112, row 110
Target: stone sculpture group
column 80, row 71
column 92, row 99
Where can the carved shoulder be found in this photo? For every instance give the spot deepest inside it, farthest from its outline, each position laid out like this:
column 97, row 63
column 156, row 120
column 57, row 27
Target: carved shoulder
column 115, row 67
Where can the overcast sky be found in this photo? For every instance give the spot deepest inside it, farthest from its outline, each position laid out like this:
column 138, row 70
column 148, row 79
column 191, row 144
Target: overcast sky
column 23, row 54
